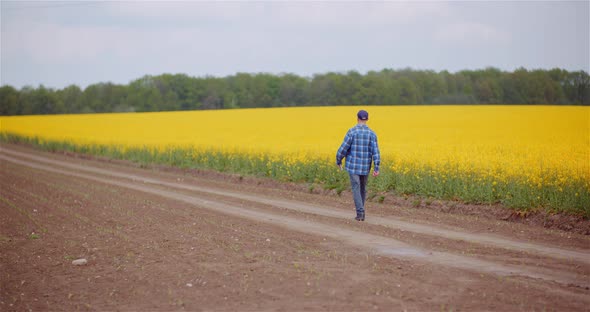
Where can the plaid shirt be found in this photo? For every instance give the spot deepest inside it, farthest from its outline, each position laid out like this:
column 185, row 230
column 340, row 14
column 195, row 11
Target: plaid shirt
column 359, row 148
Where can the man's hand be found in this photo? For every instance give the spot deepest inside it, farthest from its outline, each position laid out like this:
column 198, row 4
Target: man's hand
column 375, row 173
column 340, row 166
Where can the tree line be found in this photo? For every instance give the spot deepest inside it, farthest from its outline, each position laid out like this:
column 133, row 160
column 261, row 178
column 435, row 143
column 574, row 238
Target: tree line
column 172, row 92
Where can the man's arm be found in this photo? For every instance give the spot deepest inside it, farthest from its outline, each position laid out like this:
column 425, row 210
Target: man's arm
column 376, row 156
column 343, row 150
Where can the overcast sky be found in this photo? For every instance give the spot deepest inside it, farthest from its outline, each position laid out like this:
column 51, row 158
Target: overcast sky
column 61, row 43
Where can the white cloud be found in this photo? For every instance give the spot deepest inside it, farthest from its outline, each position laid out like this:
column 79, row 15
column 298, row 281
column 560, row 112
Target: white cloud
column 469, row 33
column 306, row 13
column 357, row 13
column 51, row 43
column 47, row 42
column 180, row 11
column 123, row 40
column 152, row 28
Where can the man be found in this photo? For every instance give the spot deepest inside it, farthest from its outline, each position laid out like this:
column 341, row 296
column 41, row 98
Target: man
column 360, row 149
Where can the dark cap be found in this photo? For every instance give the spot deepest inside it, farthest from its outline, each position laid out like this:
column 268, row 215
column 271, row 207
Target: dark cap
column 362, row 115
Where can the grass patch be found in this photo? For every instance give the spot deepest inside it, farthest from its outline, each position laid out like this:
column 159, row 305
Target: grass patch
column 572, row 197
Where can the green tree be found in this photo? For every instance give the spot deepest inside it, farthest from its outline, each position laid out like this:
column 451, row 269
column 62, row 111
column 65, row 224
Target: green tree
column 322, row 91
column 169, row 92
column 45, row 101
column 71, row 96
column 8, row 101
column 408, row 92
column 293, row 90
column 577, row 88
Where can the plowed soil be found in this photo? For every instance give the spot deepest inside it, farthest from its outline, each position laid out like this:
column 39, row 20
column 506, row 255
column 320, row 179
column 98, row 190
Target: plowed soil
column 169, row 239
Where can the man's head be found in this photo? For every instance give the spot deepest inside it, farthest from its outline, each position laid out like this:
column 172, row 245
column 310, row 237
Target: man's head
column 362, row 115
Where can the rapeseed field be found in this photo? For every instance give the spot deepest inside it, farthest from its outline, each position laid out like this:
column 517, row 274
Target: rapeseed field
column 527, row 157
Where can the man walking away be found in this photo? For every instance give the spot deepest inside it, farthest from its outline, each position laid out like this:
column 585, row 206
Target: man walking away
column 360, row 148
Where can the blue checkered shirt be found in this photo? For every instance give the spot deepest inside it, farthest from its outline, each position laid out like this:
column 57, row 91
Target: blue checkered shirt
column 359, row 148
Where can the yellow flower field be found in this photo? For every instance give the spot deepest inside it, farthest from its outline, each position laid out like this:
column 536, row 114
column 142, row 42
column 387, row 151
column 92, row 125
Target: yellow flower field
column 537, row 145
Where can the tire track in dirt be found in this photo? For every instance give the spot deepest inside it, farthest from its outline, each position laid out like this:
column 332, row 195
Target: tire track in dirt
column 382, row 245
column 501, row 242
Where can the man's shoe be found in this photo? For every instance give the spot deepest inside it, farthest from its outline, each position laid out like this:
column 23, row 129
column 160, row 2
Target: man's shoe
column 359, row 218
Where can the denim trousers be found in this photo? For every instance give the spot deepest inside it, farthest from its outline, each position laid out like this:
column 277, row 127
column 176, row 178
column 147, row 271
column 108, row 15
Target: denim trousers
column 359, row 184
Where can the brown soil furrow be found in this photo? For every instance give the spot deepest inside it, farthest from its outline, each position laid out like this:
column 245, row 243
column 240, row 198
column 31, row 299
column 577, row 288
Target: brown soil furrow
column 237, row 263
column 582, row 256
column 386, row 246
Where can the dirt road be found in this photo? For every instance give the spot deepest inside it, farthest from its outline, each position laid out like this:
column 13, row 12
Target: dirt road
column 172, row 240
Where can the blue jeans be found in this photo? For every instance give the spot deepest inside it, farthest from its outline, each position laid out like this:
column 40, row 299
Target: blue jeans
column 359, row 184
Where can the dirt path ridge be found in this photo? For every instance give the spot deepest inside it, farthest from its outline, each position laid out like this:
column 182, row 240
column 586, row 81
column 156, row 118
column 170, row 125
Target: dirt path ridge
column 582, row 256
column 383, row 245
